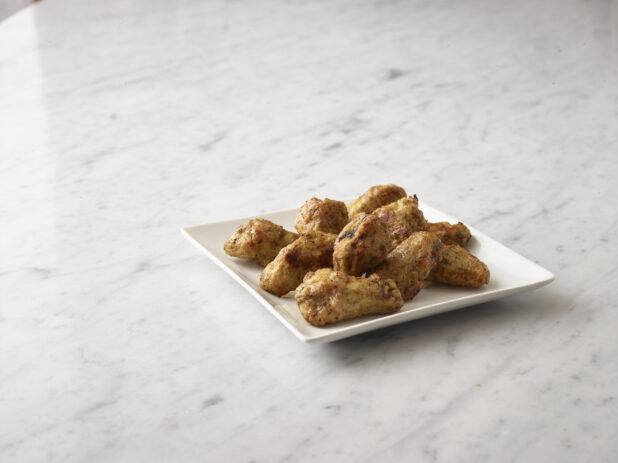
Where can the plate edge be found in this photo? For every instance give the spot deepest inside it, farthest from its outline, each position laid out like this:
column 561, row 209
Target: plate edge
column 245, row 285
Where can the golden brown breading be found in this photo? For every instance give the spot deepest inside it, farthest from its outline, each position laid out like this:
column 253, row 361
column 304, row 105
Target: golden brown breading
column 327, row 216
column 328, row 296
column 402, row 219
column 411, row 262
column 311, row 251
column 374, row 197
column 451, row 234
column 460, row 268
column 361, row 245
column 259, row 240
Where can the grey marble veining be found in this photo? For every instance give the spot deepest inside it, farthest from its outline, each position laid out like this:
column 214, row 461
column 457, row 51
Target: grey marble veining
column 121, row 122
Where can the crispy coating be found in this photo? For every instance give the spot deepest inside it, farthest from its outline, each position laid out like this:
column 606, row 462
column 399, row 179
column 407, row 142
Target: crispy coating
column 259, row 240
column 451, row 234
column 311, row 251
column 411, row 262
column 361, row 245
column 402, row 218
column 327, row 215
column 374, row 197
column 460, row 268
column 328, row 296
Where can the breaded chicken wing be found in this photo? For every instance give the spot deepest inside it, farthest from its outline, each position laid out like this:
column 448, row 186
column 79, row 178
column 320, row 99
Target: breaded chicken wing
column 402, row 218
column 328, row 296
column 361, row 245
column 311, row 251
column 374, row 197
column 327, row 215
column 259, row 240
column 451, row 234
column 460, row 268
column 411, row 262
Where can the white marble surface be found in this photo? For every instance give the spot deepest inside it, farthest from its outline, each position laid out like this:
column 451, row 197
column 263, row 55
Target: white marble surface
column 121, row 121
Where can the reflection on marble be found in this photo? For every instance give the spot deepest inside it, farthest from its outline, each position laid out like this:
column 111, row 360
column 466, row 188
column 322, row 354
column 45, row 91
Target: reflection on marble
column 122, row 121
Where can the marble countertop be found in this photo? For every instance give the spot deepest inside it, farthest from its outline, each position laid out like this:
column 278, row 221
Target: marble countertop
column 122, row 121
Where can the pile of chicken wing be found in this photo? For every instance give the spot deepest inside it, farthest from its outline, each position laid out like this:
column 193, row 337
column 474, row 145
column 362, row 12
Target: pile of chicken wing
column 366, row 258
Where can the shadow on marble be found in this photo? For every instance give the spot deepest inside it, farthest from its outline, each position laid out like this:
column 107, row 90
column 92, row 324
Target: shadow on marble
column 10, row 7
column 505, row 318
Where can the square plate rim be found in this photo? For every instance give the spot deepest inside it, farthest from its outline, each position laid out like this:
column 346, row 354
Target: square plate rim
column 392, row 319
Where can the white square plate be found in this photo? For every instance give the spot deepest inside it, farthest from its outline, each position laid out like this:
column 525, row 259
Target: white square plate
column 510, row 273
